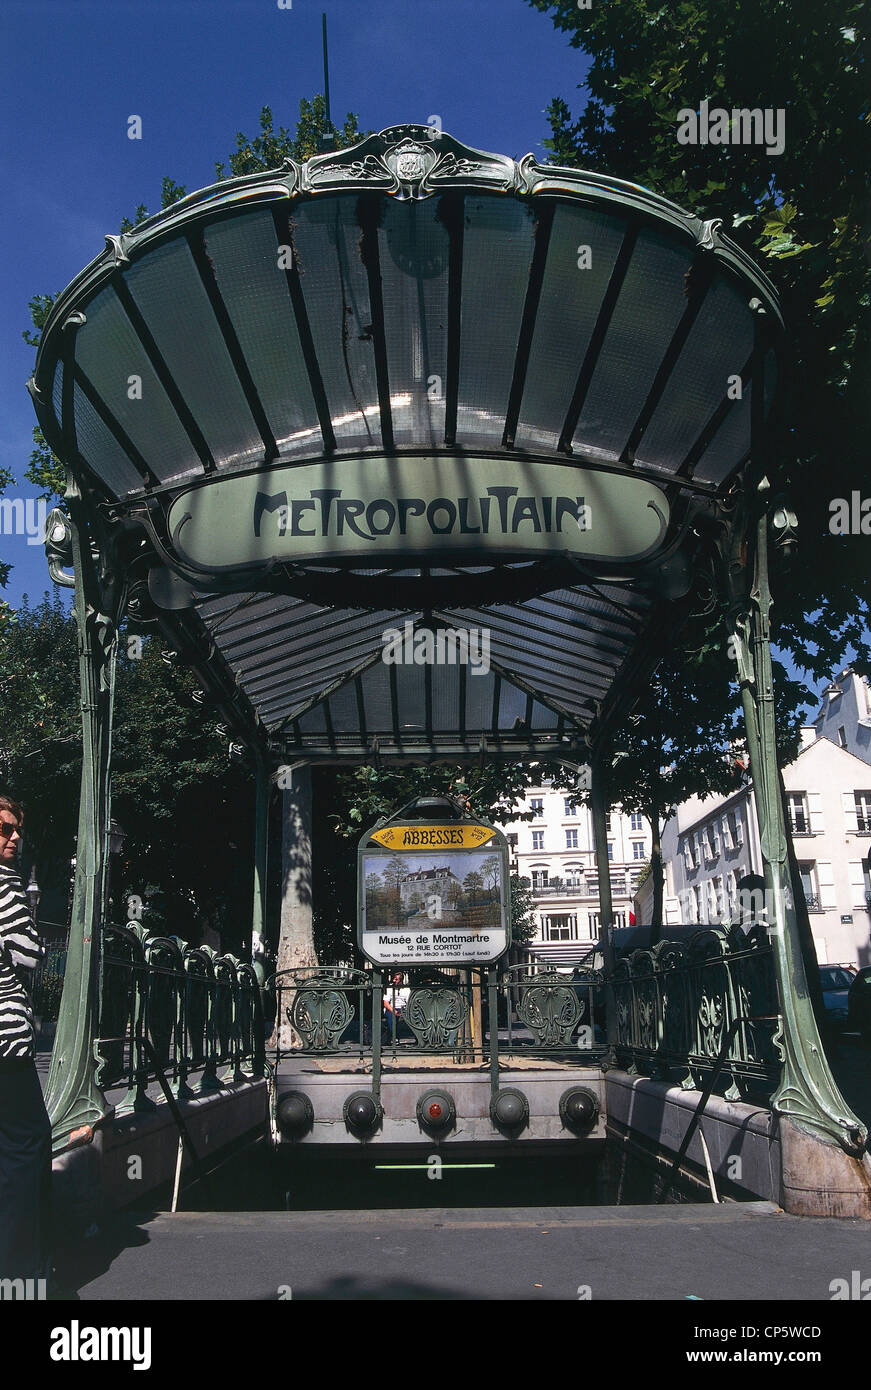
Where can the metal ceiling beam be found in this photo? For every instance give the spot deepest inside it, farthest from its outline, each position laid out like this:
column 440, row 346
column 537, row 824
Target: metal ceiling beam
column 155, row 357
column 543, row 228
column 698, row 280
column 79, row 378
column 597, row 339
column 452, row 211
column 197, row 246
column 368, row 216
column 712, row 428
column 284, row 235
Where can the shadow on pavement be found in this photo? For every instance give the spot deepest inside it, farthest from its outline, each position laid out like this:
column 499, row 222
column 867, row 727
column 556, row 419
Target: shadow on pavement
column 80, row 1264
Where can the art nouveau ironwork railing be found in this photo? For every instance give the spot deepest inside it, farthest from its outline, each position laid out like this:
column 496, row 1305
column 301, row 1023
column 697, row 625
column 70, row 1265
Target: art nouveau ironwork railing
column 187, row 1008
column 676, row 1002
column 462, row 1015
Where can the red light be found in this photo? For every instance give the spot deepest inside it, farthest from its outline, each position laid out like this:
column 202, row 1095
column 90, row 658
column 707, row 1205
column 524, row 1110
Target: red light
column 435, row 1111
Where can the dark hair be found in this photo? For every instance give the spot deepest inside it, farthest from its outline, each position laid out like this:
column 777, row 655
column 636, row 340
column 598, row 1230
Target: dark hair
column 7, row 804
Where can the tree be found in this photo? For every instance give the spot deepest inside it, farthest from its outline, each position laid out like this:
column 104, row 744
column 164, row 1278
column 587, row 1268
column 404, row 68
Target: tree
column 522, row 910
column 187, row 812
column 803, row 213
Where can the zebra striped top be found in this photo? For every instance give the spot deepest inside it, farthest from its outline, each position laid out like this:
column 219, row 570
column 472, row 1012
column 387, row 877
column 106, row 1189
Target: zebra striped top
column 20, row 951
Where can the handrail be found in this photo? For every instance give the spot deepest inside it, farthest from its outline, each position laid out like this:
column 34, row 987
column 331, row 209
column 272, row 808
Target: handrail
column 706, row 1094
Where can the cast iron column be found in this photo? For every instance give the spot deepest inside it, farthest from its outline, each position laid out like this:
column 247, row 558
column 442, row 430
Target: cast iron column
column 807, row 1092
column 598, row 810
column 72, row 1096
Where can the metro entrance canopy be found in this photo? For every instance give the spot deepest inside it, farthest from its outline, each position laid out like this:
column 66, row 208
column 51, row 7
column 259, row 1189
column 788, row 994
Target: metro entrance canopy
column 412, row 381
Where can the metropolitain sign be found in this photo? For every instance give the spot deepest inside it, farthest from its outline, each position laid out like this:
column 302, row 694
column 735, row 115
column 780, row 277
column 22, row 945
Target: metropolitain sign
column 403, row 505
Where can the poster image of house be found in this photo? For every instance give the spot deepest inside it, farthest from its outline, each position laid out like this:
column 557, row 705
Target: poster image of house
column 429, row 891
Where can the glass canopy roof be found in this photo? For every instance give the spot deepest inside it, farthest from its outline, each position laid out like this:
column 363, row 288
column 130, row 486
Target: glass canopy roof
column 415, row 315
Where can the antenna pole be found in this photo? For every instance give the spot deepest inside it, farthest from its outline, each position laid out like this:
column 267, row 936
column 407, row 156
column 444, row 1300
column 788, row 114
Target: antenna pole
column 326, row 69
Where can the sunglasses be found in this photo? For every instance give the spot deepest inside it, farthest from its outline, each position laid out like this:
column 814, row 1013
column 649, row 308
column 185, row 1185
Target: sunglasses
column 7, row 830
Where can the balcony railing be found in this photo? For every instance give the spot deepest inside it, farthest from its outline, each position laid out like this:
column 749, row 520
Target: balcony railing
column 812, row 902
column 564, row 890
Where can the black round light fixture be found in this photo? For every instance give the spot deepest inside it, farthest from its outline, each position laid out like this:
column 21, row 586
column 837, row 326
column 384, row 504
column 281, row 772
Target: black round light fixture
column 436, row 1112
column 362, row 1113
column 579, row 1109
column 295, row 1114
column 509, row 1111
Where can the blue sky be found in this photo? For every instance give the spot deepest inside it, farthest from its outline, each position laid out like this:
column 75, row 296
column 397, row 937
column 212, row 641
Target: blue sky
column 197, row 71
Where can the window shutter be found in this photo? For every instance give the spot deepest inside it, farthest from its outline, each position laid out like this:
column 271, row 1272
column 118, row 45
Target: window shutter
column 826, row 881
column 857, row 884
column 814, row 801
column 727, row 833
column 849, row 802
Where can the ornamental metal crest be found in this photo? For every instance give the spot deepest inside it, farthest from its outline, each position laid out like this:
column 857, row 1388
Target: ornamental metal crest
column 320, row 1014
column 435, row 1016
column 550, row 1010
column 410, row 162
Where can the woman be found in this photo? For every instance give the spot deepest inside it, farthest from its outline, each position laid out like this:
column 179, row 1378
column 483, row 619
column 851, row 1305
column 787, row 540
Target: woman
column 25, row 1130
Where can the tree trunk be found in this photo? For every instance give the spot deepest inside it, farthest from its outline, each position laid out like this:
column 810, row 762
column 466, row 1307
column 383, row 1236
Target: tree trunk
column 656, row 873
column 296, row 941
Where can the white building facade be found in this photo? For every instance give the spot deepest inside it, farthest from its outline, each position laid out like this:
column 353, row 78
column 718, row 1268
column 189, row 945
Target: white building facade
column 710, row 844
column 555, row 851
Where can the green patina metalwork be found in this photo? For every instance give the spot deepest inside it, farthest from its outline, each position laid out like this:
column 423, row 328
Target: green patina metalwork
column 435, row 1016
column 550, row 1009
column 184, row 1009
column 807, row 1093
column 676, row 1002
column 73, row 1096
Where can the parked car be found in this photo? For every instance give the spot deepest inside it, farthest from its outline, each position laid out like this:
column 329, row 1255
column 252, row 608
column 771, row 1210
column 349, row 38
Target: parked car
column 836, row 981
column 859, row 1004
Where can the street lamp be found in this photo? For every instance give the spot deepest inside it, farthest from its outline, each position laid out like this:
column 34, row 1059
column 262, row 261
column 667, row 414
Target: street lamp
column 116, row 837
column 33, row 893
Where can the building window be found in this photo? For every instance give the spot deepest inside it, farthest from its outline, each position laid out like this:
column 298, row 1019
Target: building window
column 637, row 849
column 538, row 839
column 689, row 853
column 863, row 811
column 570, row 809
column 574, row 877
column 711, row 841
column 842, row 736
column 618, row 919
column 809, row 886
column 736, row 830
column 799, row 820
column 610, row 849
column 561, row 928
column 571, row 839
column 635, row 821
column 608, row 823
column 536, row 805
column 539, row 878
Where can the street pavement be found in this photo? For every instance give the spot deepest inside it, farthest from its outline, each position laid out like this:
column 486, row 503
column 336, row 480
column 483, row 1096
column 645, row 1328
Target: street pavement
column 750, row 1252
